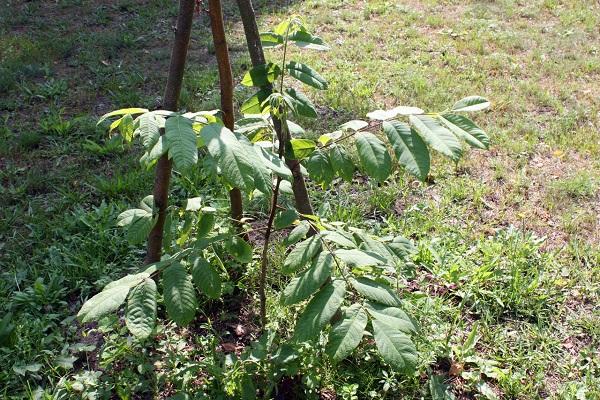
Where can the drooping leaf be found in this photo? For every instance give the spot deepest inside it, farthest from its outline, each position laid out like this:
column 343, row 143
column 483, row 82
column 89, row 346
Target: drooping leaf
column 306, row 75
column 437, row 136
column 206, row 278
column 139, row 223
column 261, row 75
column 341, row 162
column 271, row 39
column 285, row 218
column 128, row 281
column 295, row 129
column 374, row 156
column 149, row 129
column 306, row 40
column 347, row 333
column 302, row 105
column 251, row 126
column 358, row 258
column 181, row 141
column 309, row 281
column 263, row 180
column 301, row 255
column 319, row 168
column 239, row 249
column 471, row 103
column 299, row 149
column 206, row 223
column 410, row 150
column 395, row 346
column 123, row 111
column 140, row 317
column 392, row 316
column 376, row 291
column 319, row 311
column 105, row 302
column 158, row 150
column 179, row 294
column 466, row 129
column 274, row 163
column 126, row 128
column 253, row 105
column 297, row 234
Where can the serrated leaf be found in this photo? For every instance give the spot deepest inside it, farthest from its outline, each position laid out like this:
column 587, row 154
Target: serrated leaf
column 347, row 333
column 319, row 311
column 179, row 294
column 341, row 162
column 140, row 316
column 392, row 316
column 138, row 222
column 103, row 303
column 358, row 258
column 297, row 234
column 181, row 141
column 376, row 291
column 301, row 255
column 471, row 103
column 253, row 105
column 239, row 249
column 395, row 346
column 261, row 75
column 123, row 111
column 319, row 168
column 466, row 129
column 374, row 156
column 410, row 150
column 302, row 105
column 437, row 136
column 306, row 75
column 306, row 40
column 158, row 150
column 308, row 282
column 207, row 278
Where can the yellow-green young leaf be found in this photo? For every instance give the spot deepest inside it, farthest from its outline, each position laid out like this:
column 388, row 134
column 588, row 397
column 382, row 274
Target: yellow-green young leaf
column 140, row 316
column 319, row 311
column 206, row 278
column 309, row 281
column 347, row 333
column 395, row 346
column 105, row 302
column 302, row 105
column 319, row 168
column 341, row 162
column 374, row 156
column 358, row 258
column 261, row 75
column 376, row 291
column 271, row 39
column 299, row 149
column 138, row 222
column 253, row 105
column 471, row 103
column 239, row 249
column 306, row 40
column 437, row 136
column 126, row 128
column 179, row 294
column 301, row 255
column 123, row 111
column 181, row 141
column 466, row 129
column 410, row 150
column 306, row 75
column 392, row 316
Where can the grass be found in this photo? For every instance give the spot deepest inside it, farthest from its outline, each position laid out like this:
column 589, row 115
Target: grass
column 508, row 241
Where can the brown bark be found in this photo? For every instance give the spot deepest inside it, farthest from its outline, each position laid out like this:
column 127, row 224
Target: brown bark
column 226, row 84
column 171, row 98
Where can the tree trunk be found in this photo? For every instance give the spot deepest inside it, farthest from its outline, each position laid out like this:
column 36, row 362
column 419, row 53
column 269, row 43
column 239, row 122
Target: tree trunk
column 257, row 56
column 226, row 84
column 171, row 98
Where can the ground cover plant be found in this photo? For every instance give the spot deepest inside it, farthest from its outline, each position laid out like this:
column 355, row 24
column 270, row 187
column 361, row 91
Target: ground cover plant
column 502, row 281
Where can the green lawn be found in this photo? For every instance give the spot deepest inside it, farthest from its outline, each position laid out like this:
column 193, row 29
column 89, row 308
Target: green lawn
column 508, row 240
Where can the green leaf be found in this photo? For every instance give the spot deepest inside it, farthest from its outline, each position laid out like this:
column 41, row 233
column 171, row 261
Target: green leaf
column 347, row 333
column 301, row 255
column 374, row 156
column 392, row 316
column 383, row 115
column 376, row 291
column 438, row 389
column 409, row 148
column 253, row 105
column 309, row 281
column 273, row 162
column 261, row 75
column 271, row 39
column 319, row 168
column 354, row 125
column 126, row 128
column 358, row 258
column 395, row 346
column 375, row 246
column 263, row 179
column 341, row 162
column 123, row 111
column 105, row 302
column 306, row 40
column 471, row 103
column 157, row 151
column 148, row 129
column 179, row 295
column 181, row 141
column 438, row 137
column 139, row 223
column 402, row 246
column 128, row 281
column 320, row 310
column 340, row 238
column 302, row 105
column 295, row 129
column 239, row 249
column 285, row 219
column 205, row 225
column 299, row 149
column 306, row 75
column 297, row 234
column 466, row 129
column 140, row 316
column 206, row 278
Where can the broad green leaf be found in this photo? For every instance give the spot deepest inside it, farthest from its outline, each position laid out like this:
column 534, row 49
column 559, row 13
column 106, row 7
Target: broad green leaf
column 306, row 74
column 138, row 222
column 301, row 255
column 309, row 281
column 206, row 278
column 140, row 316
column 205, row 225
column 410, row 150
column 297, row 234
column 319, row 311
column 339, row 238
column 374, row 246
column 354, row 125
column 149, row 129
column 466, row 129
column 402, row 246
column 374, row 156
column 123, row 111
column 347, row 333
column 299, row 149
column 179, row 294
column 271, row 39
column 471, row 103
column 392, row 316
column 263, row 179
column 376, row 291
column 319, row 168
column 341, row 162
column 438, row 389
column 302, row 105
column 239, row 249
column 181, row 141
column 395, row 346
column 261, row 75
column 157, row 151
column 358, row 258
column 128, row 281
column 295, row 129
column 437, row 136
column 306, row 40
column 383, row 115
column 285, row 218
column 253, row 105
column 105, row 302
column 250, row 126
column 273, row 162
